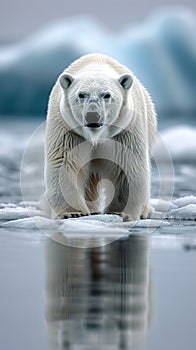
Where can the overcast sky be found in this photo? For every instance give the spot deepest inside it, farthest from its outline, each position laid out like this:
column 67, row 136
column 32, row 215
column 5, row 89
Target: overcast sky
column 19, row 18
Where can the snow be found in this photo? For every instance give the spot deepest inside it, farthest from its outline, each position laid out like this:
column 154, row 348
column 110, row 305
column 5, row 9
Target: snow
column 160, row 51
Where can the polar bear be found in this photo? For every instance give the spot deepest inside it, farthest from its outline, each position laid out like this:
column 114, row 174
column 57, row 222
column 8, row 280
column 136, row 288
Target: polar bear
column 101, row 125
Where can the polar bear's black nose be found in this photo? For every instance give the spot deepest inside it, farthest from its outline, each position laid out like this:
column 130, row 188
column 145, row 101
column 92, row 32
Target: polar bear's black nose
column 92, row 120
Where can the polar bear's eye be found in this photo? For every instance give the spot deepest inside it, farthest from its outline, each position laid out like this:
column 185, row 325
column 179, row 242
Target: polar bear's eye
column 106, row 96
column 81, row 95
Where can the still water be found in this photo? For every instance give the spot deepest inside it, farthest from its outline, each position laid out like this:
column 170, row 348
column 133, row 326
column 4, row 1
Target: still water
column 130, row 294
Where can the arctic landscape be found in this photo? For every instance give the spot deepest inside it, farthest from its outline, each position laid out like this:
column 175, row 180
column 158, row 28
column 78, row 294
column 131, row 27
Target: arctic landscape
column 98, row 251
column 172, row 189
column 160, row 53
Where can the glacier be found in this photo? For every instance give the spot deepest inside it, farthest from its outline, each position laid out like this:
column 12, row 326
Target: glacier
column 161, row 51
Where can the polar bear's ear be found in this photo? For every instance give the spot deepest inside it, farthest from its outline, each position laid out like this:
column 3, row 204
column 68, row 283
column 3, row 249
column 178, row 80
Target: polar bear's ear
column 66, row 80
column 126, row 81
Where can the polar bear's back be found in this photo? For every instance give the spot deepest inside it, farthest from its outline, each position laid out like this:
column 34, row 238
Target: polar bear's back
column 97, row 61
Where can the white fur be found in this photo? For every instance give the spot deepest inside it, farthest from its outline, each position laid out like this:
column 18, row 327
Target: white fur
column 124, row 141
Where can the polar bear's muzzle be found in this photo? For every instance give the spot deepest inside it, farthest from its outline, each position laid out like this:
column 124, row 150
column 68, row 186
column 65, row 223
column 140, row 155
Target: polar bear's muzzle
column 93, row 120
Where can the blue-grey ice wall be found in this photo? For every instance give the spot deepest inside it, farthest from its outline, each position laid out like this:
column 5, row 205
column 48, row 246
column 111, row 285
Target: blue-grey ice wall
column 161, row 52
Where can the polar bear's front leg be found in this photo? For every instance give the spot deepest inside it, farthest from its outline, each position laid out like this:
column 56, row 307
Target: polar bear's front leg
column 65, row 193
column 146, row 211
column 131, row 197
column 139, row 197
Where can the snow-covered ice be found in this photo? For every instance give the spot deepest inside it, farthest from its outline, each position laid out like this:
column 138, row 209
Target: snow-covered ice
column 91, row 226
column 188, row 212
column 183, row 202
column 179, row 209
column 182, row 208
column 32, row 223
column 161, row 205
column 18, row 213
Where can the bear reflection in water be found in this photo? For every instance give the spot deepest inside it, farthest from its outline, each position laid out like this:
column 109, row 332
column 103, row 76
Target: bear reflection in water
column 98, row 298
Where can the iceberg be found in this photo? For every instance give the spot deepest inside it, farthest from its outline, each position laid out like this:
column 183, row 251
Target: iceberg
column 161, row 51
column 37, row 62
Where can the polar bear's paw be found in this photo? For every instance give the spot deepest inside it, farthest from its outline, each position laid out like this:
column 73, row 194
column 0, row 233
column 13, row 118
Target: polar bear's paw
column 75, row 214
column 124, row 216
column 146, row 212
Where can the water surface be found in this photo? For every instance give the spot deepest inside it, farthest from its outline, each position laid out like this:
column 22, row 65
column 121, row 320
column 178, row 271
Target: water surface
column 129, row 294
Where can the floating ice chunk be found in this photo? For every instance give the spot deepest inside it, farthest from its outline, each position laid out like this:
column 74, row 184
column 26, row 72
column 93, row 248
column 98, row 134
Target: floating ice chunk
column 35, row 212
column 7, row 205
column 31, row 204
column 83, row 225
column 18, row 213
column 13, row 213
column 187, row 212
column 158, row 215
column 111, row 225
column 181, row 202
column 162, row 205
column 33, row 223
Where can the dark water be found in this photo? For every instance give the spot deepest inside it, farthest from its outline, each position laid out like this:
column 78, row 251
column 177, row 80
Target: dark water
column 126, row 295
column 136, row 293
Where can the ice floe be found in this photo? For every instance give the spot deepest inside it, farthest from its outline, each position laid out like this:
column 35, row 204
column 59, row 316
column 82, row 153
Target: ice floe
column 164, row 215
column 15, row 213
column 188, row 212
column 32, row 223
column 182, row 202
column 161, row 205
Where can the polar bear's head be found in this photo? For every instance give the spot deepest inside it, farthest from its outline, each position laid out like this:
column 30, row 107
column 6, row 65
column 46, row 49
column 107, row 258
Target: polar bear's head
column 92, row 102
